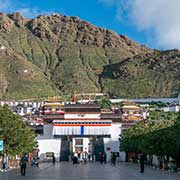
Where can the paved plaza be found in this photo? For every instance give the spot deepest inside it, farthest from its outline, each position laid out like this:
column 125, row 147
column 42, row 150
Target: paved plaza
column 89, row 171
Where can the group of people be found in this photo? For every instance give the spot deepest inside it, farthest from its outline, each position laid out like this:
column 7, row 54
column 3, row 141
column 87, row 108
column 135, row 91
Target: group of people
column 23, row 162
column 85, row 156
column 103, row 158
column 33, row 159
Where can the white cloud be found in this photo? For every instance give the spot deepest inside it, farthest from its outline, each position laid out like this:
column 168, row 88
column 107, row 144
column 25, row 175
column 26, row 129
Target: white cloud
column 159, row 18
column 32, row 12
column 8, row 6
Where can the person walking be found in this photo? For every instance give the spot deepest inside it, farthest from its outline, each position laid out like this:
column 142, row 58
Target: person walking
column 85, row 156
column 113, row 158
column 141, row 161
column 105, row 158
column 23, row 164
column 101, row 158
column 89, row 157
column 75, row 158
column 4, row 163
column 53, row 159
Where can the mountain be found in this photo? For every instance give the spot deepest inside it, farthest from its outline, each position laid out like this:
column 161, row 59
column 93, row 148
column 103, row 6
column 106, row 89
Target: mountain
column 55, row 55
column 154, row 74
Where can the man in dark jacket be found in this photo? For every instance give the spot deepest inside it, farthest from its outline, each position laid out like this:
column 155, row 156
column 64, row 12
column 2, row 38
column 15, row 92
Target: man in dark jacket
column 23, row 164
column 113, row 158
column 101, row 158
column 105, row 158
column 54, row 159
column 141, row 161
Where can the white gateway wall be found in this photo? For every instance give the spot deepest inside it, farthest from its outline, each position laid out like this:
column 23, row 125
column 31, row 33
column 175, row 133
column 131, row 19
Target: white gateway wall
column 112, row 144
column 49, row 145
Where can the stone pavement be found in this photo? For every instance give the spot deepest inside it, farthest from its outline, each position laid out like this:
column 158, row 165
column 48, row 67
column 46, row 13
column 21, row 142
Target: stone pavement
column 89, row 171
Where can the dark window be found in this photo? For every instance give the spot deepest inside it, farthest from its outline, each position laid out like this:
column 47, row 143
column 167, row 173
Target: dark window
column 78, row 141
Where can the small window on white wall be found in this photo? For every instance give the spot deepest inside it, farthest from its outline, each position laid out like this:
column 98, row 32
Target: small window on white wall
column 78, row 141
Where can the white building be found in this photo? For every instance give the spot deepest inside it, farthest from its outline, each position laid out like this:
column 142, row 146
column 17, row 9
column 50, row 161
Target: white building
column 173, row 108
column 80, row 130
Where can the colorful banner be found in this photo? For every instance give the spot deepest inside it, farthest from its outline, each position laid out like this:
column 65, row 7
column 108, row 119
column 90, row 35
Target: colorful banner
column 1, row 145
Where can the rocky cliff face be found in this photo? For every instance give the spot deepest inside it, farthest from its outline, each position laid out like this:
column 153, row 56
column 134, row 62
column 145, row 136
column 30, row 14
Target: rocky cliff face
column 56, row 54
column 59, row 28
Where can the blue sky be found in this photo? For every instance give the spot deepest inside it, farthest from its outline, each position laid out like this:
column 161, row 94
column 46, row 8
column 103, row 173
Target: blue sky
column 133, row 18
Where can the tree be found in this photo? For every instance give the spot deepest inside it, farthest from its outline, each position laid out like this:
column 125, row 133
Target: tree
column 154, row 137
column 161, row 115
column 104, row 103
column 18, row 138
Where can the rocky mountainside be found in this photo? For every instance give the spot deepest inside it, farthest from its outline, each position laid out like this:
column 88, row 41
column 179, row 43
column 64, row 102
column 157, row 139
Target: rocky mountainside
column 56, row 54
column 155, row 74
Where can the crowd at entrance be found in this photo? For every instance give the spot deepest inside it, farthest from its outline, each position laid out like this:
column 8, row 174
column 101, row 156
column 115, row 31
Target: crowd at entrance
column 87, row 157
column 84, row 156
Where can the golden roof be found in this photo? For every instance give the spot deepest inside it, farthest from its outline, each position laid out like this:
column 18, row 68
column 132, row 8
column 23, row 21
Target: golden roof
column 130, row 107
column 53, row 104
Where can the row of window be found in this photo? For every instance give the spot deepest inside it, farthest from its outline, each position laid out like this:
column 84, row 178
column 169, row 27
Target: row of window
column 53, row 109
column 82, row 123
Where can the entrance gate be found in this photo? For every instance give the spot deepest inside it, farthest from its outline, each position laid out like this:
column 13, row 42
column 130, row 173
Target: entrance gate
column 65, row 149
column 97, row 147
column 67, row 146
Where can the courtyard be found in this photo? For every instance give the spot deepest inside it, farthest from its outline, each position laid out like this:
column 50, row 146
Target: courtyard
column 89, row 171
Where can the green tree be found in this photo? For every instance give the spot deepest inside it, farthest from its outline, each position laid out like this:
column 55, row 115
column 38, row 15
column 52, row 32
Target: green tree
column 18, row 138
column 154, row 137
column 104, row 103
column 161, row 115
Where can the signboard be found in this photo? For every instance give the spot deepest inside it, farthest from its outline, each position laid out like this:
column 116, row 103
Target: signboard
column 1, row 145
